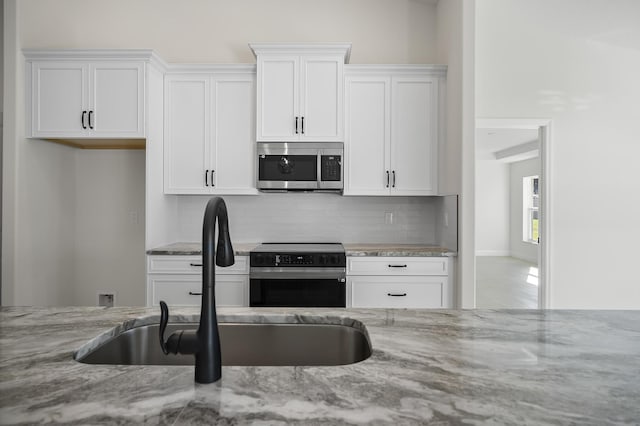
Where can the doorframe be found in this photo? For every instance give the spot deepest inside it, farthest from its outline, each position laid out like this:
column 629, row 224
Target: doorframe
column 544, row 127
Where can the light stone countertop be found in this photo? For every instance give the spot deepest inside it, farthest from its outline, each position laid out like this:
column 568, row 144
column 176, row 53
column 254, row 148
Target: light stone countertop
column 195, row 249
column 400, row 250
column 427, row 367
column 351, row 249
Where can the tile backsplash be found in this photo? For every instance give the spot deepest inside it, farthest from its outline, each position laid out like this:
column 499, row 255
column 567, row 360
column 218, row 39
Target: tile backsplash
column 317, row 217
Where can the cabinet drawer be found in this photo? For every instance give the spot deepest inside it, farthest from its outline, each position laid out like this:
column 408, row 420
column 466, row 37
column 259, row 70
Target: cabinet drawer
column 404, row 292
column 183, row 290
column 192, row 265
column 397, row 266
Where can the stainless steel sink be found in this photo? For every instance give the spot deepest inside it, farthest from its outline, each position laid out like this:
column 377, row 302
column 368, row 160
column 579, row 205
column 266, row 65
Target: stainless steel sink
column 243, row 344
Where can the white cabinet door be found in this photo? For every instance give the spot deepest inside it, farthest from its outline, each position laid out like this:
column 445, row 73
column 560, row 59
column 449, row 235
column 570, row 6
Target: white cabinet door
column 414, row 136
column 399, row 292
column 278, row 97
column 367, row 135
column 117, row 99
column 321, row 111
column 187, row 134
column 209, row 134
column 300, row 98
column 59, row 99
column 391, row 131
column 77, row 99
column 233, row 167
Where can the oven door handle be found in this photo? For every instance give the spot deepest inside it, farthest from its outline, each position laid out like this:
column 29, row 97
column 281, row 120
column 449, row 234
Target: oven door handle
column 297, row 273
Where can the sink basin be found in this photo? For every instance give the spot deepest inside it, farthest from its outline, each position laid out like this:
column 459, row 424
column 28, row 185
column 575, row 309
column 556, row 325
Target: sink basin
column 242, row 344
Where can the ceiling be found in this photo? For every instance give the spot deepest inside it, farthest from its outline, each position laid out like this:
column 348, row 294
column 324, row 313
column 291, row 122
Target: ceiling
column 496, row 140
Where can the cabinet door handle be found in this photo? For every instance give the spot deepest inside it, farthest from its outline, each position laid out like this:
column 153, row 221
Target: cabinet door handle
column 212, row 182
column 397, row 266
column 193, row 293
column 195, row 264
column 206, row 178
column 394, row 179
column 396, row 294
column 296, row 125
column 90, row 125
column 387, row 178
column 82, row 119
column 302, row 126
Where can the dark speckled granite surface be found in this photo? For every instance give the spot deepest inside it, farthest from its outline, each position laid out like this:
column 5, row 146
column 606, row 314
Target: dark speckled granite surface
column 427, row 367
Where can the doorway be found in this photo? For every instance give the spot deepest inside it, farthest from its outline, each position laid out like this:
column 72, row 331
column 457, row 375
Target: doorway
column 511, row 192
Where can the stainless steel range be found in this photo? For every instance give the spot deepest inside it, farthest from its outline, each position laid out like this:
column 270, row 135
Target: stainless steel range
column 298, row 275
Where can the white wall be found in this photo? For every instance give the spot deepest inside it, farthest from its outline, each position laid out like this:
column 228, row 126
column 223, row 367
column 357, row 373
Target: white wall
column 109, row 226
column 577, row 63
column 206, row 31
column 45, row 246
column 217, row 31
column 518, row 248
column 492, row 205
column 455, row 47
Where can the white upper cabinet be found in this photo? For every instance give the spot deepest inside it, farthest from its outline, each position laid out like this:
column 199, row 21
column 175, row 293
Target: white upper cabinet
column 85, row 94
column 300, row 91
column 209, row 145
column 392, row 129
column 187, row 157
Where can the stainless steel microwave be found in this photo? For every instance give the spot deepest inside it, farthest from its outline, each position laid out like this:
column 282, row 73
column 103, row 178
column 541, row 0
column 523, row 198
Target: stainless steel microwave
column 300, row 166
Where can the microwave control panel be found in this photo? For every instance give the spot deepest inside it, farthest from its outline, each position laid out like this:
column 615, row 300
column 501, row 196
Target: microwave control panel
column 330, row 168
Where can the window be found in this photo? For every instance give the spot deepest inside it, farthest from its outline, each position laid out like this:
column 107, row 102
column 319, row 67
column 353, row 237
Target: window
column 530, row 205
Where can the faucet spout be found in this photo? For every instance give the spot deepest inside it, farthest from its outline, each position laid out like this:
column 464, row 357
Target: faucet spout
column 205, row 342
column 208, row 358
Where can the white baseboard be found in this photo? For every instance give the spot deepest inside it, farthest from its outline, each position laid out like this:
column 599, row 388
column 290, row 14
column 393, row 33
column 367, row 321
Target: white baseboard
column 493, row 253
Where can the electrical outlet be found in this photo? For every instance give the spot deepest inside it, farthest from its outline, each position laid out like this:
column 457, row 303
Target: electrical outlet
column 446, row 220
column 134, row 217
column 106, row 299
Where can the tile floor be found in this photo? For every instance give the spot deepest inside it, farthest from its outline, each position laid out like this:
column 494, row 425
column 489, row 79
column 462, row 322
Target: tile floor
column 506, row 282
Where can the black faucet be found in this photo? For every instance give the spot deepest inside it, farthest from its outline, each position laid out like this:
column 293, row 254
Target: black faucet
column 205, row 342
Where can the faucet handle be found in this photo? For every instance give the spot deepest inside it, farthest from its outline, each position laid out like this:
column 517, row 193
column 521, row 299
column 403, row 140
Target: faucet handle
column 164, row 319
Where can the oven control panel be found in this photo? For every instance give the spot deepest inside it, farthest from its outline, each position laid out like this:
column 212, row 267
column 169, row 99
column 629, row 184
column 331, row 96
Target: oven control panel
column 297, row 259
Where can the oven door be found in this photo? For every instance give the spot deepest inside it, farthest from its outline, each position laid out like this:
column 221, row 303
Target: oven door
column 298, row 287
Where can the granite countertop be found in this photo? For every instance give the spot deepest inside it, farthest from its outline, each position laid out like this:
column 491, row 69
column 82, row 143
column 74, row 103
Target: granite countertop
column 351, row 249
column 195, row 249
column 427, row 367
column 404, row 250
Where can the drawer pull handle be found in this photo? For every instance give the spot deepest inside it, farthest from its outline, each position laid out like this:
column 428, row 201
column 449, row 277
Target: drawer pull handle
column 191, row 293
column 396, row 294
column 195, row 264
column 397, row 266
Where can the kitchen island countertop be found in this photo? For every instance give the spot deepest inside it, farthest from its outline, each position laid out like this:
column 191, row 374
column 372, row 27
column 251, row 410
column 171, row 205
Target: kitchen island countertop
column 445, row 367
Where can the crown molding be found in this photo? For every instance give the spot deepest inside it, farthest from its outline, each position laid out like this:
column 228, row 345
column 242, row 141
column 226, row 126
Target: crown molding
column 343, row 49
column 407, row 69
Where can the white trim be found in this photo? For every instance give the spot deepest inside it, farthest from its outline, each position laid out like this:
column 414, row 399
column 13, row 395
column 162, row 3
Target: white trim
column 544, row 126
column 302, row 49
column 376, row 69
column 211, row 68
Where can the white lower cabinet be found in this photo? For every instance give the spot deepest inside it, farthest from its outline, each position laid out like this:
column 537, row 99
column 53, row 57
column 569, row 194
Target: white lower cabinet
column 178, row 281
column 398, row 282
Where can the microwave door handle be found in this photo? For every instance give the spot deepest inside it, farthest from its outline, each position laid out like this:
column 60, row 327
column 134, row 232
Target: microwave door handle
column 319, row 170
